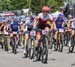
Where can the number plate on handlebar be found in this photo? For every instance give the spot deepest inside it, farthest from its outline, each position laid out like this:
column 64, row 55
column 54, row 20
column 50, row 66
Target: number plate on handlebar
column 61, row 30
column 32, row 33
column 44, row 32
column 14, row 32
column 69, row 30
column 6, row 33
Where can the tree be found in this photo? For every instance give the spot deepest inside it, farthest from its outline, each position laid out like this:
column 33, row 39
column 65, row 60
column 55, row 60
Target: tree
column 56, row 4
column 35, row 5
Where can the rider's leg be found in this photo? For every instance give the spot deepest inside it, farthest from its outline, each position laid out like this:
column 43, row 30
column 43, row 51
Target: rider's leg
column 72, row 33
column 10, row 38
column 25, row 43
column 11, row 35
column 38, row 36
column 17, row 39
column 56, row 35
column 26, row 38
column 47, row 28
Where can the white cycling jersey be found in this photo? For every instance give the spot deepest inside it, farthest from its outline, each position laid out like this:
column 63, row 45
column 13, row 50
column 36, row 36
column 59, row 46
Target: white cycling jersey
column 73, row 24
column 56, row 14
column 45, row 18
column 28, row 24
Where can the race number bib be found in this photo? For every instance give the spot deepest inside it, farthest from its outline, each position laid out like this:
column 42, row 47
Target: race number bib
column 61, row 30
column 32, row 33
column 44, row 32
column 69, row 30
column 14, row 32
column 6, row 33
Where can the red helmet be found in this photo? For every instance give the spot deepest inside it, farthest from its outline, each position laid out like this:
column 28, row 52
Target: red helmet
column 45, row 9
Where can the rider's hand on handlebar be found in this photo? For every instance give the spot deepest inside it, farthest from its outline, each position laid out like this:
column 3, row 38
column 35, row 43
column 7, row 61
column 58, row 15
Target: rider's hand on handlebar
column 70, row 20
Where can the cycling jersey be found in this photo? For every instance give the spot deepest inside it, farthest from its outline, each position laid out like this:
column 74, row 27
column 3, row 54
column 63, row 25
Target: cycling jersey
column 73, row 24
column 28, row 24
column 59, row 22
column 14, row 26
column 43, row 19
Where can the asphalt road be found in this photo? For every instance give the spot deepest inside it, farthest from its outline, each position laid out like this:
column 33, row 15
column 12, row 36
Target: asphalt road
column 56, row 59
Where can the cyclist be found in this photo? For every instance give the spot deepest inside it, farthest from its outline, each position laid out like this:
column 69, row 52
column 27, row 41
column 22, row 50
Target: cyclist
column 61, row 11
column 2, row 23
column 7, row 30
column 70, row 19
column 27, row 28
column 71, row 25
column 41, row 22
column 14, row 27
column 59, row 25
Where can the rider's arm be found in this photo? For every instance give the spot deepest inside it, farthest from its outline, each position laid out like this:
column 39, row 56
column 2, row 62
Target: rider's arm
column 53, row 25
column 35, row 22
column 1, row 26
column 69, row 23
column 66, row 24
column 63, row 22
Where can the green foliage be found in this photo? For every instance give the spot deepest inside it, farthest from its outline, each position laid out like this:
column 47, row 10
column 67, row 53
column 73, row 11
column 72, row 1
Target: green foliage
column 35, row 5
column 56, row 4
column 53, row 3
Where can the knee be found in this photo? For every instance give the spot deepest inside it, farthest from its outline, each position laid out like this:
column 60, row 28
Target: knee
column 11, row 35
column 72, row 32
column 38, row 36
column 47, row 28
column 26, row 36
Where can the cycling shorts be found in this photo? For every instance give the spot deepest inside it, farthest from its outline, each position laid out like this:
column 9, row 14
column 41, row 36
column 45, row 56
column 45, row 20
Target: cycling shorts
column 42, row 26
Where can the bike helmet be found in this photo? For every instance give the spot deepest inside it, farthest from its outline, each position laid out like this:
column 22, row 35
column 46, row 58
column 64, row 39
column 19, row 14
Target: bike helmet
column 69, row 16
column 45, row 9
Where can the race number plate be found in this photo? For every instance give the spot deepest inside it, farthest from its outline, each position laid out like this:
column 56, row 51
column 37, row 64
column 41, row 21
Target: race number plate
column 14, row 32
column 69, row 30
column 32, row 33
column 61, row 30
column 44, row 32
column 6, row 33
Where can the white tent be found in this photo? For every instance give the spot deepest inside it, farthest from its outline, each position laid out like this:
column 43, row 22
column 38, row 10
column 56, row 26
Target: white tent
column 27, row 11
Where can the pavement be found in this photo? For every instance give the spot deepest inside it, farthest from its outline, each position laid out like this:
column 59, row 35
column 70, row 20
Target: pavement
column 55, row 59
